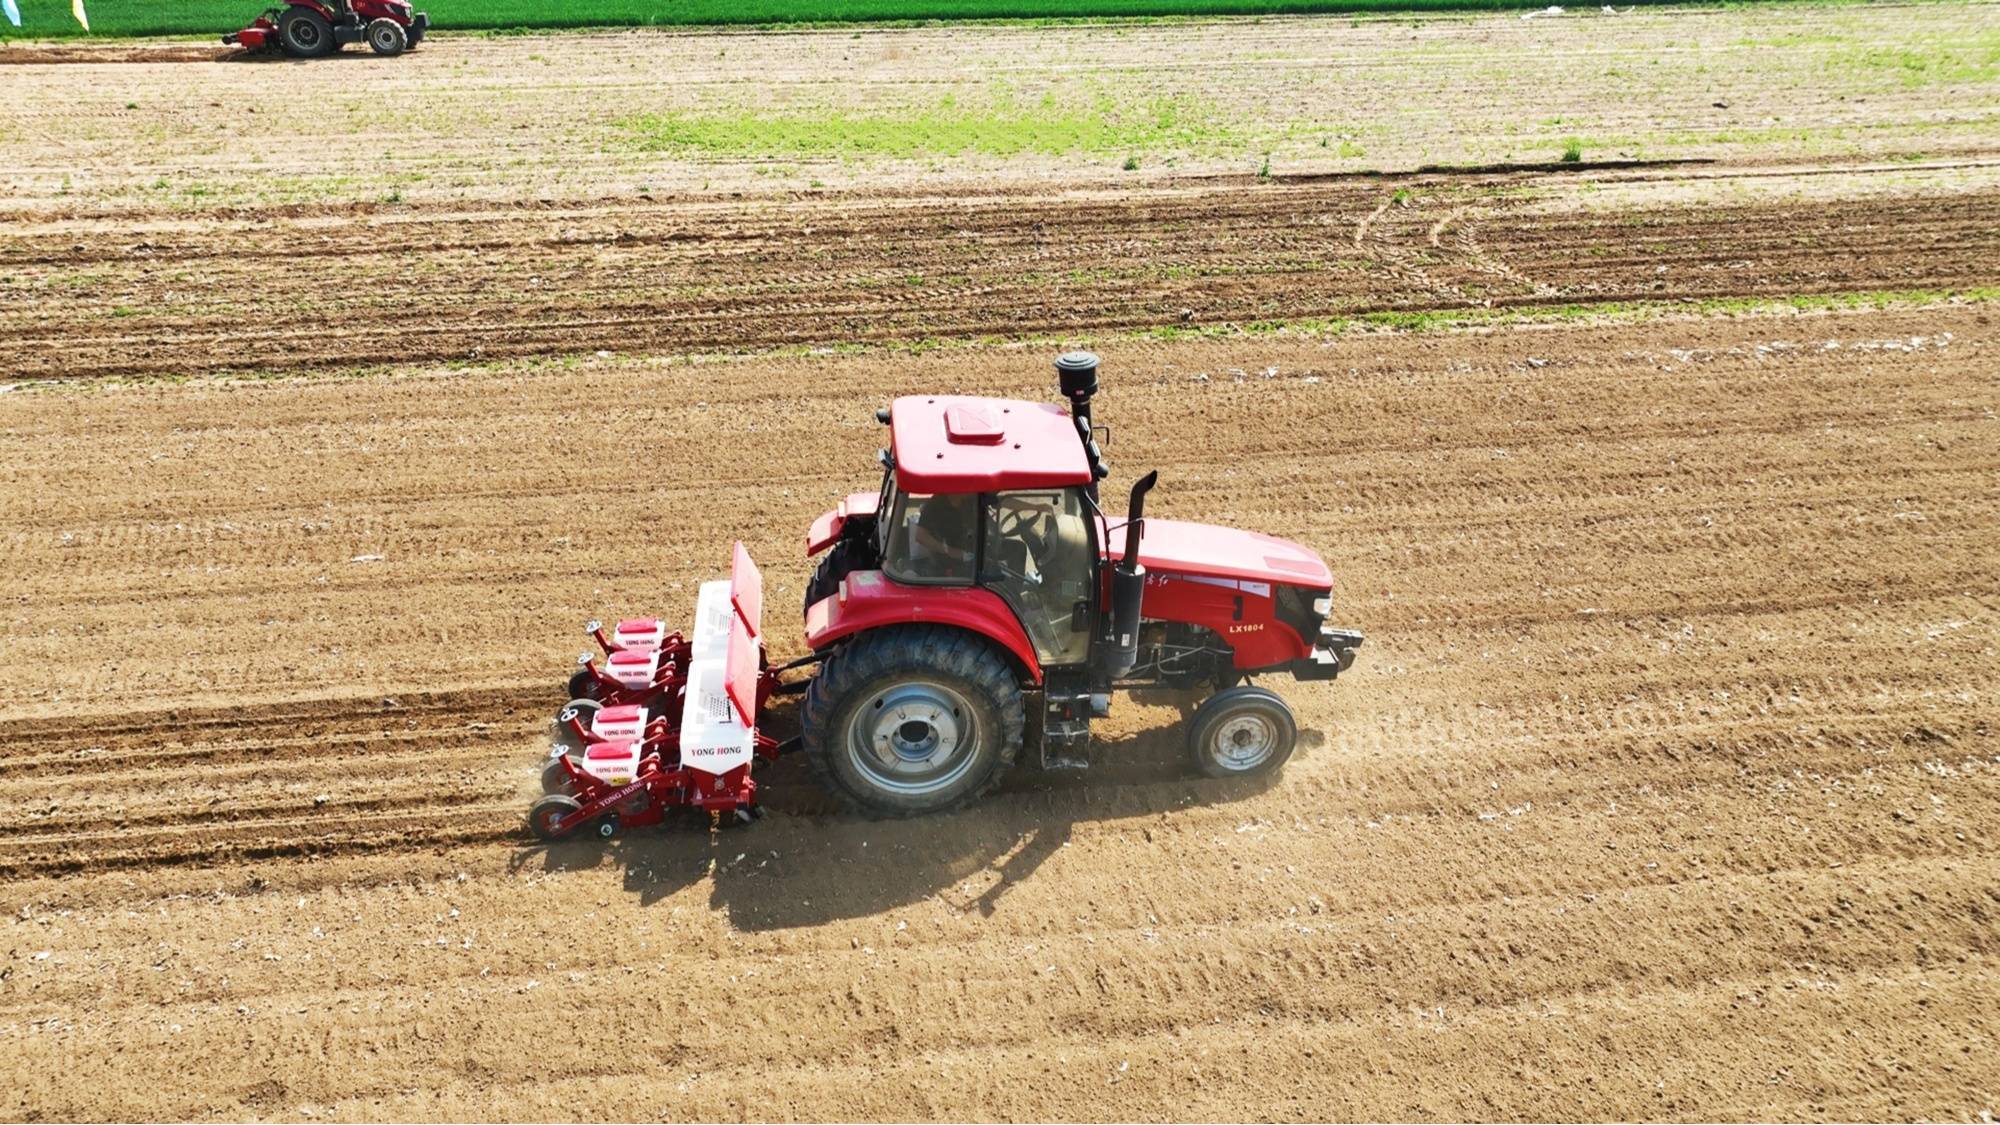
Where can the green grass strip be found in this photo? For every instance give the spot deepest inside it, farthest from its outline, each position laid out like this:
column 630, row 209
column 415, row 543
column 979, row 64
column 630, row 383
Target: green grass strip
column 44, row 19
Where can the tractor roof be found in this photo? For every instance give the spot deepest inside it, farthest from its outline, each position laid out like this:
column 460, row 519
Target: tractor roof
column 954, row 443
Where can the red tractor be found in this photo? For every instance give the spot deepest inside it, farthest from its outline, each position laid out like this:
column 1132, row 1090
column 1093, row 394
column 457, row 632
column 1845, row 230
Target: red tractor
column 977, row 606
column 310, row 29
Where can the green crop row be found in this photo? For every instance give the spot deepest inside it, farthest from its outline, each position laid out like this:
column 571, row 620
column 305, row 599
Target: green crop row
column 1003, row 126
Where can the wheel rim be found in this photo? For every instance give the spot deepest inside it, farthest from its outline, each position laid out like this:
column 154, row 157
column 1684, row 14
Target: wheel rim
column 542, row 817
column 1245, row 742
column 914, row 738
column 305, row 34
column 556, row 780
column 384, row 41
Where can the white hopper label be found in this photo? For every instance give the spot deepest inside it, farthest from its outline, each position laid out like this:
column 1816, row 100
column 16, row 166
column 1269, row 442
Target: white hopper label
column 713, row 737
column 712, row 614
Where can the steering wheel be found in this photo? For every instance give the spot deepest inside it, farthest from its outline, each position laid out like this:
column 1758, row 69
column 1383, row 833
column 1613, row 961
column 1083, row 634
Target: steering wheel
column 1030, row 526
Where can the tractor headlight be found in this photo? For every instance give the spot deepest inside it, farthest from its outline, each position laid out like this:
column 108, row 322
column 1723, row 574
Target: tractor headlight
column 1323, row 605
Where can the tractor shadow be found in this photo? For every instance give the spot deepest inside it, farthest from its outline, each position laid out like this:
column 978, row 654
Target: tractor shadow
column 807, row 862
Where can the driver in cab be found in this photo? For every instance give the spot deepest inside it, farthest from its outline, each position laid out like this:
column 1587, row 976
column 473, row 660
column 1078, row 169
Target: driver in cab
column 943, row 536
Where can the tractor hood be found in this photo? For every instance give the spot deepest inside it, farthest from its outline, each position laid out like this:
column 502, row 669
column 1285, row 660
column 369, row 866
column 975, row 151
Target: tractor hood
column 1203, row 550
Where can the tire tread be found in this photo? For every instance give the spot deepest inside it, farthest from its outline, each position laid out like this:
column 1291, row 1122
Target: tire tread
column 1226, row 700
column 931, row 648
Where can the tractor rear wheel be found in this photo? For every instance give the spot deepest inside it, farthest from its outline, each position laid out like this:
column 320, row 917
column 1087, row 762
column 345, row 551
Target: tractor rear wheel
column 386, row 37
column 913, row 719
column 304, row 33
column 1242, row 731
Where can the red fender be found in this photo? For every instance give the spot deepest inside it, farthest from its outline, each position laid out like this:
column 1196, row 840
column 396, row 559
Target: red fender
column 826, row 529
column 315, row 5
column 869, row 599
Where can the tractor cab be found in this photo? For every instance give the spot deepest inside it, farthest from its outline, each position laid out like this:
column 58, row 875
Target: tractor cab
column 994, row 495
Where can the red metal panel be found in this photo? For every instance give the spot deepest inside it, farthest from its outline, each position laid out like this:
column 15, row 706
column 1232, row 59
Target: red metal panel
column 869, row 599
column 826, row 529
column 968, row 424
column 1177, row 547
column 1036, row 444
column 746, row 590
column 1245, row 618
column 740, row 672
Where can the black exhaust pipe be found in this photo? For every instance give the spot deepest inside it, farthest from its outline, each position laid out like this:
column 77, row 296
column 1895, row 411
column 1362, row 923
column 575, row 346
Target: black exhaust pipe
column 1128, row 583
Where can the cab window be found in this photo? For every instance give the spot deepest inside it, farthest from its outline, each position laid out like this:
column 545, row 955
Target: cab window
column 933, row 539
column 1038, row 556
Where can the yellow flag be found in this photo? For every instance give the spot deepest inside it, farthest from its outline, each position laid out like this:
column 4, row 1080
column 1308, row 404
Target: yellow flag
column 77, row 7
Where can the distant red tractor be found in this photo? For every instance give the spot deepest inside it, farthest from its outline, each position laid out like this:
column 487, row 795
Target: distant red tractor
column 977, row 606
column 310, row 29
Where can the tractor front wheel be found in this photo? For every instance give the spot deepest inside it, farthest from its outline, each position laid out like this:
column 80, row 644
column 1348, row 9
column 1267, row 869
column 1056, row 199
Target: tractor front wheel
column 913, row 719
column 386, row 37
column 1242, row 731
column 304, row 33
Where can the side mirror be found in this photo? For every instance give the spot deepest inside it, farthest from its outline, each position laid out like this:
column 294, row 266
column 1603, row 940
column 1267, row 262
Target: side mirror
column 583, row 659
column 593, row 625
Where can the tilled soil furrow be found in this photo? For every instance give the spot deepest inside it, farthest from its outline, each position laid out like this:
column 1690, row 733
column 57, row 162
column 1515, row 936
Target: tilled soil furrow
column 436, row 821
column 1546, row 768
column 1168, row 260
column 1367, row 454
column 1326, row 977
column 1210, row 943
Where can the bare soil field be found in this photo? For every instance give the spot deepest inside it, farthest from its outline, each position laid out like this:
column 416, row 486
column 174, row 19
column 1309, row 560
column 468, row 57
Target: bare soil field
column 1665, row 486
column 449, row 285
